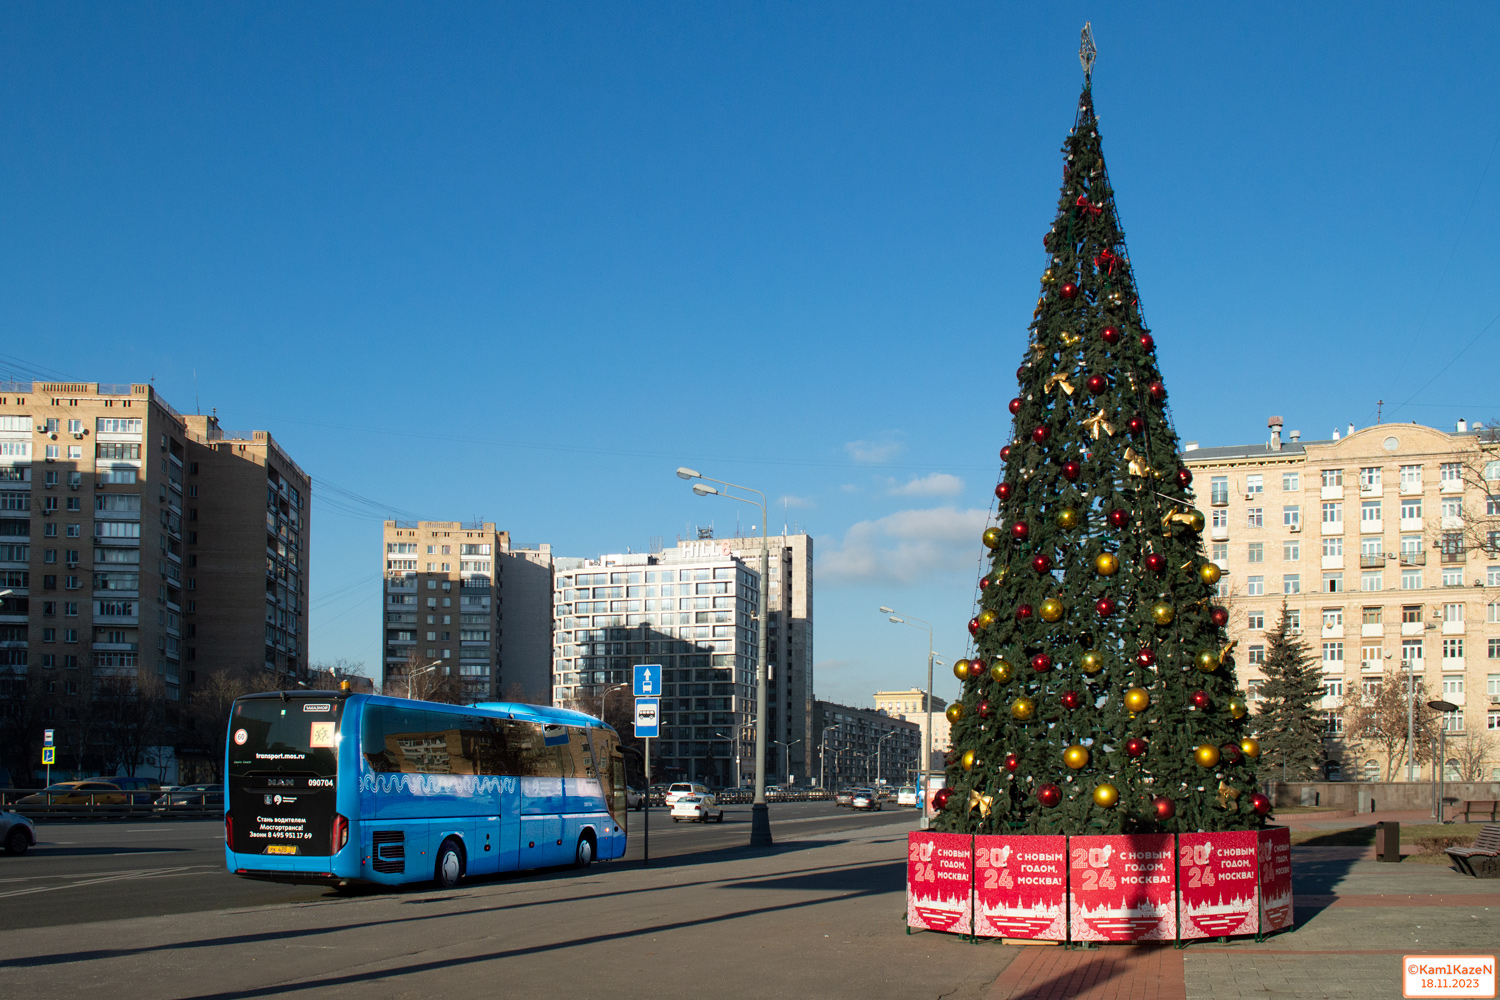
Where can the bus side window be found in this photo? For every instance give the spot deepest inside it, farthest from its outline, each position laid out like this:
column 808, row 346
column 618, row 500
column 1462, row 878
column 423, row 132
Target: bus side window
column 372, row 740
column 530, row 757
column 577, row 751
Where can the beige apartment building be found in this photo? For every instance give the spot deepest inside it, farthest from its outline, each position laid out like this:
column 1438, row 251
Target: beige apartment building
column 911, row 705
column 452, row 590
column 1384, row 542
column 137, row 539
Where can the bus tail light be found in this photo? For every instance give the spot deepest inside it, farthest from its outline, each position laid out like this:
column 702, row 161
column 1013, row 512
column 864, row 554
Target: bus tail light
column 229, row 831
column 340, row 832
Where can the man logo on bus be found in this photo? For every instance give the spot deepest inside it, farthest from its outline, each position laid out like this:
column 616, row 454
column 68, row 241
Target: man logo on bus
column 240, row 736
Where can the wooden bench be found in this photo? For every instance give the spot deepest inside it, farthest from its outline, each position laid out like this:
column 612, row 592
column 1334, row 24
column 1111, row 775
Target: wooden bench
column 1485, row 809
column 1483, row 859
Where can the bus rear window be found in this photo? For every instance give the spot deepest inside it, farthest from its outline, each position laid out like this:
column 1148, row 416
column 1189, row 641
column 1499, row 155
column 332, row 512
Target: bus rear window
column 270, row 735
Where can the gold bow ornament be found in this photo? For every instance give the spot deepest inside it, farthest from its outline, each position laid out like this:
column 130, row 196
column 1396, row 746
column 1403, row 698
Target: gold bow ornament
column 1176, row 517
column 983, row 803
column 1228, row 796
column 1061, row 381
column 1070, row 339
column 1228, row 648
column 1137, row 464
column 1097, row 424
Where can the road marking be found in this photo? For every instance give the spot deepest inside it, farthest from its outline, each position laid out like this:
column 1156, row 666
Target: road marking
column 141, row 873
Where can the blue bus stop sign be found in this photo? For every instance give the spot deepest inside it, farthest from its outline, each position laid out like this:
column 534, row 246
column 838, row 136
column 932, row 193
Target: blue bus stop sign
column 648, row 680
column 647, row 717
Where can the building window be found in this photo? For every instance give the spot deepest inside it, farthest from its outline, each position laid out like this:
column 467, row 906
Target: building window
column 1333, row 477
column 1450, row 475
column 1411, row 579
column 1369, row 515
column 1411, row 478
column 1453, row 576
column 1333, row 545
column 1291, row 515
column 1371, row 580
column 1294, row 619
column 1453, row 612
column 1453, row 722
column 1495, row 651
column 1220, row 552
column 1290, row 481
column 1411, row 651
column 1453, row 649
column 1255, row 586
column 1372, row 616
column 1255, row 484
column 1333, row 687
column 1255, row 620
column 1256, row 552
column 1333, row 512
column 1371, row 658
column 1333, row 618
column 1333, row 656
column 1256, row 654
column 1333, row 583
column 1291, row 583
column 1291, row 550
column 1451, row 509
column 1255, row 517
column 1369, row 478
column 1219, row 517
column 1411, row 508
column 1219, row 490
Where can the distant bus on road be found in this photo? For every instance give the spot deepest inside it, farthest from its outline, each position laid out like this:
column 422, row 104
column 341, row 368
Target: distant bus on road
column 339, row 788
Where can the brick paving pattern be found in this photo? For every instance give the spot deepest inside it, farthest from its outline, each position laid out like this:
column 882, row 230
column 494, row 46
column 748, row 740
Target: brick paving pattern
column 1112, row 972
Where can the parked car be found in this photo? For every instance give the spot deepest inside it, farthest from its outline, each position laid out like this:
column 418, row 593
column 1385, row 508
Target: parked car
column 844, row 797
column 701, row 807
column 142, row 790
column 678, row 789
column 865, row 798
column 17, row 833
column 80, row 792
column 634, row 798
column 192, row 795
column 906, row 795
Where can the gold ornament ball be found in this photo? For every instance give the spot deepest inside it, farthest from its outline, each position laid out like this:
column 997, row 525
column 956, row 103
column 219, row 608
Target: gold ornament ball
column 955, row 712
column 992, row 538
column 1001, row 671
column 1196, row 520
column 986, row 618
column 1067, row 519
column 1022, row 709
column 961, row 669
column 1162, row 613
column 1092, row 662
column 1051, row 609
column 1106, row 795
column 1237, row 708
column 1076, row 756
column 1137, row 699
column 1207, row 755
column 1105, row 564
column 1250, row 746
column 967, row 760
column 1208, row 661
column 1047, row 276
column 1209, row 573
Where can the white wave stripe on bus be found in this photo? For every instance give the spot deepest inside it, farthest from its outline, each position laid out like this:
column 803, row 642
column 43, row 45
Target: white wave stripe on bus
column 437, row 784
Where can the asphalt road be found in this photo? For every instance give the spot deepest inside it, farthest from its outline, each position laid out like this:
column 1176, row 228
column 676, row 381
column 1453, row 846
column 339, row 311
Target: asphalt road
column 84, row 872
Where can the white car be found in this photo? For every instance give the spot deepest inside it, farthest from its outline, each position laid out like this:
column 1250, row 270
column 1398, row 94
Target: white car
column 17, row 833
column 680, row 788
column 906, row 795
column 697, row 807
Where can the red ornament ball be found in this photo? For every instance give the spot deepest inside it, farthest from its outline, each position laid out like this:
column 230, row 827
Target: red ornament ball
column 1041, row 663
column 1184, row 477
column 978, row 668
column 1199, row 699
column 1097, row 384
column 1146, row 657
column 1070, row 699
column 1105, row 607
column 1024, row 613
column 1219, row 617
column 1005, row 453
column 1040, row 435
column 1135, row 425
column 940, row 798
column 1004, row 490
column 1019, row 531
column 1068, row 290
column 1157, row 391
column 1147, row 343
column 1163, row 807
column 1229, row 753
column 1260, row 804
column 984, row 708
column 1110, row 335
column 1041, row 563
column 1118, row 518
column 1049, row 795
column 984, row 582
column 1012, row 762
column 1021, row 373
column 1015, row 405
column 1156, row 562
column 1071, row 471
column 1135, row 746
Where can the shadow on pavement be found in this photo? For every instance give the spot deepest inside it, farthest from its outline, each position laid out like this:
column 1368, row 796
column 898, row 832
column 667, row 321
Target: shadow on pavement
column 1317, row 875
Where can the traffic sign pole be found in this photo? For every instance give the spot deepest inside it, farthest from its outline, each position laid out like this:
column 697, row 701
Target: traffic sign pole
column 646, row 810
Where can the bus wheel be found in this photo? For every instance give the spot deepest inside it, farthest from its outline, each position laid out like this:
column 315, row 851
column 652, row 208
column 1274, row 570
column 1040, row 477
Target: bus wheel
column 585, row 855
column 450, row 864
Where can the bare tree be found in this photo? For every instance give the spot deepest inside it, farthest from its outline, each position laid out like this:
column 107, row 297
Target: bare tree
column 414, row 679
column 207, row 714
column 1378, row 717
column 1475, row 527
column 1472, row 751
column 132, row 719
column 329, row 676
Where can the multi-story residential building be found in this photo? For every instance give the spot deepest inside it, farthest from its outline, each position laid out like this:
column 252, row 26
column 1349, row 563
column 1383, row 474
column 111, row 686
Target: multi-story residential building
column 695, row 614
column 861, row 746
column 452, row 589
column 789, row 641
column 911, row 705
column 1384, row 543
column 135, row 539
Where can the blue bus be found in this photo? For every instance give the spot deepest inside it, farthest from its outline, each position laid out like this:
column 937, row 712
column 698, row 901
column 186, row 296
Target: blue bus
column 339, row 788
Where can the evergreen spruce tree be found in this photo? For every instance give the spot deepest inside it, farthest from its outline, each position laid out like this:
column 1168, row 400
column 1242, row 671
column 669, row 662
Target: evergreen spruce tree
column 1100, row 696
column 1288, row 722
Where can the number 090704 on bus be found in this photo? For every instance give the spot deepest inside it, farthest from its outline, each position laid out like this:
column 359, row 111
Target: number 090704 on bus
column 339, row 788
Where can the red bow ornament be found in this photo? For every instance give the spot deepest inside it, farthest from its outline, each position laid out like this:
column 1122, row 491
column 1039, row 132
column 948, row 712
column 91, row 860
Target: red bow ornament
column 1083, row 203
column 1105, row 261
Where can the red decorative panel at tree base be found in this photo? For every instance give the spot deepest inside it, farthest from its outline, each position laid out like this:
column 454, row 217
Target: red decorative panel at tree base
column 940, row 881
column 1021, row 887
column 1217, row 883
column 1122, row 888
column 1275, row 868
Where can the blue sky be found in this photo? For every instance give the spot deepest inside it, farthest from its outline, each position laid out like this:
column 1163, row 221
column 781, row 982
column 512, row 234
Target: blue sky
column 520, row 261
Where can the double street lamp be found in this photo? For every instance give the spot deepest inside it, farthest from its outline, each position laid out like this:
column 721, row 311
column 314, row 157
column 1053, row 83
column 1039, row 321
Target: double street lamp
column 760, row 817
column 823, row 756
column 788, row 749
column 900, row 619
column 420, row 670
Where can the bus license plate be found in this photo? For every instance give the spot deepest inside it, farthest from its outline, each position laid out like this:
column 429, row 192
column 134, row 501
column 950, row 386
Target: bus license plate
column 281, row 849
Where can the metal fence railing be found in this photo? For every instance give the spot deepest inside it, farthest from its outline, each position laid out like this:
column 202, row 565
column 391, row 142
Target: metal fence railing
column 151, row 804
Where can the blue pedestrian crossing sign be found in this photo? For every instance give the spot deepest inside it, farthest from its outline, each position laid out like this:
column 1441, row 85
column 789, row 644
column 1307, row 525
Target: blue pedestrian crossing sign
column 49, row 755
column 648, row 680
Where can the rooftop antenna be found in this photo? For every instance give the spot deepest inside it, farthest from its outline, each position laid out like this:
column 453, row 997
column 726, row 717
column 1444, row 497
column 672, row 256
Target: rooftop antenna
column 197, row 406
column 1378, row 404
column 1087, row 51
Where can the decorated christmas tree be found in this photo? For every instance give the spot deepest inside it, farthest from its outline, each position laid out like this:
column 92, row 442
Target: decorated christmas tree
column 1100, row 695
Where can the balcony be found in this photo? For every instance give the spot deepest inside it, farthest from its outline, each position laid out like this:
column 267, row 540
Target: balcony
column 1453, row 628
column 1333, row 562
column 1451, row 486
column 1411, row 524
column 1414, row 558
column 1333, row 631
column 1219, row 533
column 1367, row 561
column 1333, row 527
column 1457, row 699
column 1331, row 493
column 1412, row 628
column 1372, row 630
column 1461, row 555
column 1371, row 527
column 1411, row 489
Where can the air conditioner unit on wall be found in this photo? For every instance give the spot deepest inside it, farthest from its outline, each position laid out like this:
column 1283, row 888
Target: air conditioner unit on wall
column 1295, row 527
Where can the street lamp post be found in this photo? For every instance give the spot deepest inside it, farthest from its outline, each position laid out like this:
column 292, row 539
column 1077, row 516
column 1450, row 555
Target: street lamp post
column 823, row 756
column 760, row 816
column 927, row 729
column 1440, row 765
column 420, row 670
column 879, row 770
column 788, row 747
column 735, row 742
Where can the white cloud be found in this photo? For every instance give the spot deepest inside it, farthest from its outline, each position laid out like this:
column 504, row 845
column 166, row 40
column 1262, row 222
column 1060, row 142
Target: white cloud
column 906, row 546
column 874, row 452
column 939, row 484
column 797, row 503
